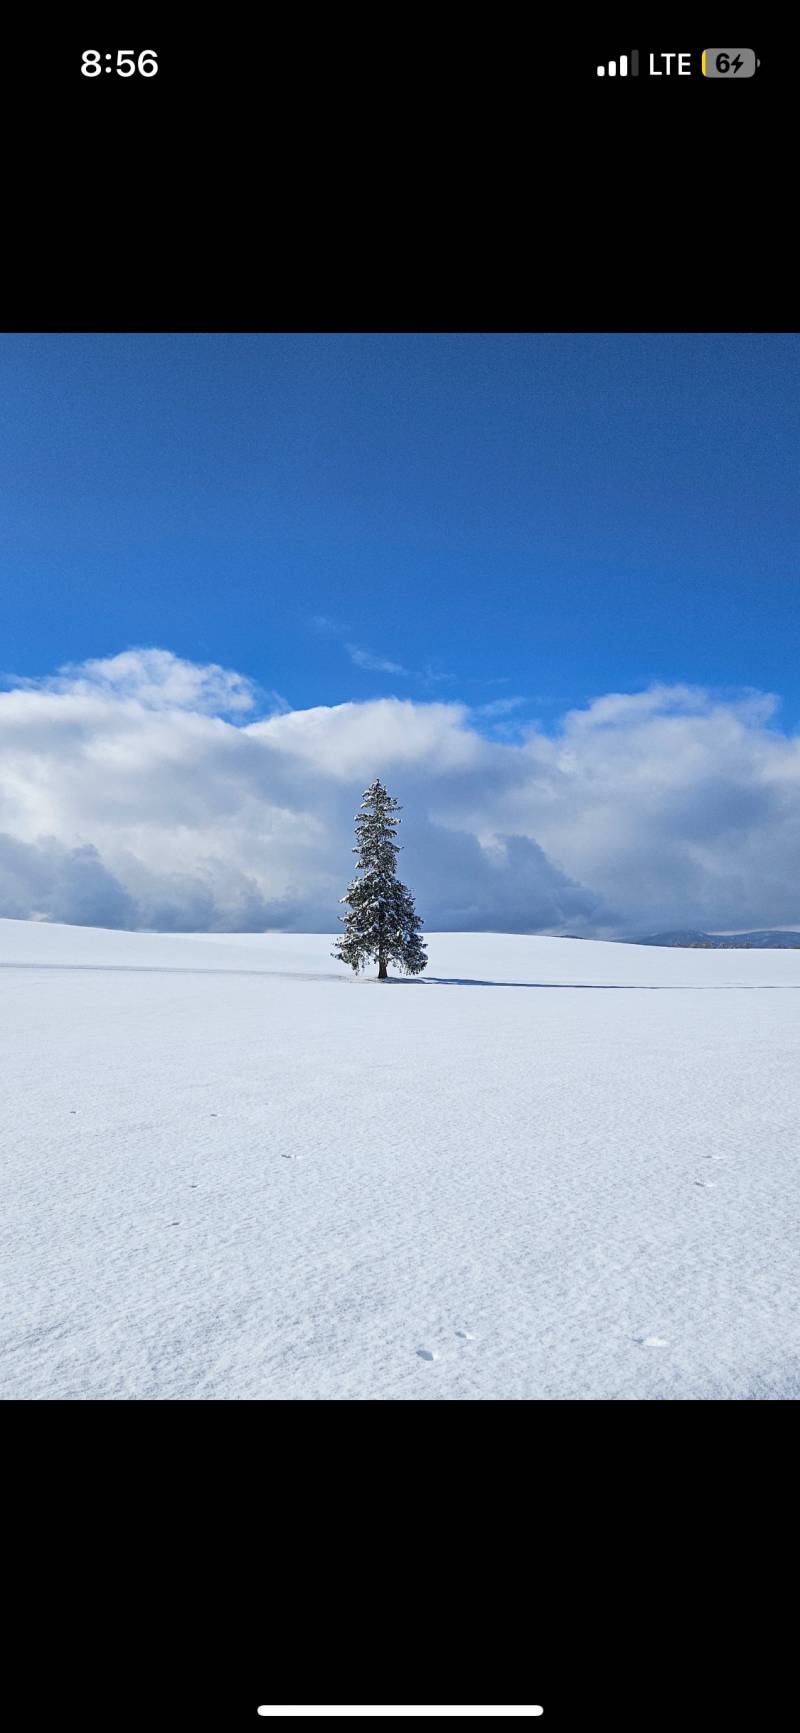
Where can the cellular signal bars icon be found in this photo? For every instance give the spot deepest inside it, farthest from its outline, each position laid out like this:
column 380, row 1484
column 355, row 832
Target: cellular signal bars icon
column 610, row 71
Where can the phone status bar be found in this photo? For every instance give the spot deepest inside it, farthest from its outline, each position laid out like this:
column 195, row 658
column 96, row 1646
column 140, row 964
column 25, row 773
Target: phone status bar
column 731, row 64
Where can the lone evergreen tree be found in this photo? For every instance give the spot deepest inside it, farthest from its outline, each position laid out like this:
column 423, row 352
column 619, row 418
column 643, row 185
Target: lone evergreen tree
column 381, row 920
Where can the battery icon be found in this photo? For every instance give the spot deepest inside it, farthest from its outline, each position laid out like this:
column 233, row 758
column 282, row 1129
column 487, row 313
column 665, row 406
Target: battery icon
column 729, row 63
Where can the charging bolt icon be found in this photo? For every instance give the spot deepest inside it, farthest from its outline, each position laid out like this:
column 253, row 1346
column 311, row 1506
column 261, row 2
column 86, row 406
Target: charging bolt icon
column 729, row 63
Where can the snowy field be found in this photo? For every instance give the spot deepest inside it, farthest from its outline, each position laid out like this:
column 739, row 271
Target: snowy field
column 548, row 1168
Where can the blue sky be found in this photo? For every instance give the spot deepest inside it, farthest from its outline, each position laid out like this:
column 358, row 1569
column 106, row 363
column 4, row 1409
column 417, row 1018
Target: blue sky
column 539, row 517
column 545, row 586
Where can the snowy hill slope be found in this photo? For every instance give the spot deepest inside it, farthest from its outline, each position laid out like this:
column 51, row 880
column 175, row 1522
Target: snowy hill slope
column 496, row 957
column 546, row 1168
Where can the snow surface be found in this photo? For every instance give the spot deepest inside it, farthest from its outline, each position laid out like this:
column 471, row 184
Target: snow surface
column 547, row 1168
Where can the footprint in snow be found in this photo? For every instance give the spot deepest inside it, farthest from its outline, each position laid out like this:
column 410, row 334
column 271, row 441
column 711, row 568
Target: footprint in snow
column 427, row 1354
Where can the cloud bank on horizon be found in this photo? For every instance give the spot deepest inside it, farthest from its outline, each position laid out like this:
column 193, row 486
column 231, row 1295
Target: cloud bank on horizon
column 146, row 791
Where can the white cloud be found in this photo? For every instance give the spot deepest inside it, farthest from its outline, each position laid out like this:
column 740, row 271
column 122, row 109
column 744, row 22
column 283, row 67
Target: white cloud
column 621, row 708
column 375, row 664
column 157, row 679
column 432, row 674
column 144, row 790
column 324, row 623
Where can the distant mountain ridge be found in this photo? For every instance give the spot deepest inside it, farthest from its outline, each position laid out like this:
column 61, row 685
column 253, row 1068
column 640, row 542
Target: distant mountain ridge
column 691, row 940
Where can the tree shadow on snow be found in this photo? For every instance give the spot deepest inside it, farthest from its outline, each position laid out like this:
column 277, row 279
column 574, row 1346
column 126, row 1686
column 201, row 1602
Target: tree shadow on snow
column 595, row 986
column 467, row 981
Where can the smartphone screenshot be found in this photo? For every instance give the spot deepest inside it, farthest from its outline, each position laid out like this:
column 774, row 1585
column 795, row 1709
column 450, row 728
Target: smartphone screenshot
column 399, row 840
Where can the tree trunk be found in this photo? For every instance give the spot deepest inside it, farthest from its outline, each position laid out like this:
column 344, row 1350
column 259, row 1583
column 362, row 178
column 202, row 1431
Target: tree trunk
column 381, row 954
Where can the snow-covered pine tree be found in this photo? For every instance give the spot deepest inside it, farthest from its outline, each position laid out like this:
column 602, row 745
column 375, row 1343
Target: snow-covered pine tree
column 381, row 921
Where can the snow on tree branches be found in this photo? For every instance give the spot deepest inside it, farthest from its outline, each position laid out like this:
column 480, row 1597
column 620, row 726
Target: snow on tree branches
column 381, row 921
